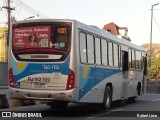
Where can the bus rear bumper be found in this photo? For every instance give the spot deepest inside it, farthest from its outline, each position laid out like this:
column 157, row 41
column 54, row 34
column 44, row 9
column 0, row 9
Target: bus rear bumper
column 45, row 95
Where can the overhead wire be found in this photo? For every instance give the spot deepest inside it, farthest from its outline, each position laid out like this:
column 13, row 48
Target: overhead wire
column 5, row 4
column 29, row 9
column 156, row 22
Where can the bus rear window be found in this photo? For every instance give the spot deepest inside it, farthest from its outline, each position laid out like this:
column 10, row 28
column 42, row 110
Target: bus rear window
column 49, row 36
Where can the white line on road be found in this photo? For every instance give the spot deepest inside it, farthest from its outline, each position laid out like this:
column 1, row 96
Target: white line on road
column 151, row 94
column 105, row 113
column 156, row 100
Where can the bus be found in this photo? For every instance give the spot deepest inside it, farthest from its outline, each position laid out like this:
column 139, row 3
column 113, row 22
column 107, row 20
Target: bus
column 61, row 61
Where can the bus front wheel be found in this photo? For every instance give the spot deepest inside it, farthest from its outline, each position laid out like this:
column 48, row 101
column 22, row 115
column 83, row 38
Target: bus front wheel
column 107, row 98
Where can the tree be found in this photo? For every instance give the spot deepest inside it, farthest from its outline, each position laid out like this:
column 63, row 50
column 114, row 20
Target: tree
column 155, row 68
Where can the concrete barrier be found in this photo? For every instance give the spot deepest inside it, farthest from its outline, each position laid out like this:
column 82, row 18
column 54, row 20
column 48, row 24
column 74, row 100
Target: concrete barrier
column 152, row 83
column 153, row 87
column 3, row 101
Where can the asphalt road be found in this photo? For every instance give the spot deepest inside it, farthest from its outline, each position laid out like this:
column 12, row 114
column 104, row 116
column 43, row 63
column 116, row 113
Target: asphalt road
column 146, row 105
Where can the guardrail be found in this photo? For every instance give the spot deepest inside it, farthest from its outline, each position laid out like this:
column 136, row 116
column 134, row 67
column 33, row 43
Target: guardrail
column 152, row 83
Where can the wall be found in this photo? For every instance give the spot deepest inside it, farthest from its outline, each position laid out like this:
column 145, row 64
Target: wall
column 3, row 75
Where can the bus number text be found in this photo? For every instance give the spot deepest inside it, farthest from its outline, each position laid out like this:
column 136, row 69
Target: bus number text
column 38, row 79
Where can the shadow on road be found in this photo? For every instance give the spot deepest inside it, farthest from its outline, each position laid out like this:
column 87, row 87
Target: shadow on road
column 80, row 110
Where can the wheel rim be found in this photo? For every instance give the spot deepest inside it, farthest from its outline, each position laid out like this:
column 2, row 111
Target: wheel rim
column 108, row 99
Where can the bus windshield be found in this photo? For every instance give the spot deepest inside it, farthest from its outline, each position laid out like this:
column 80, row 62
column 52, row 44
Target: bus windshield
column 41, row 36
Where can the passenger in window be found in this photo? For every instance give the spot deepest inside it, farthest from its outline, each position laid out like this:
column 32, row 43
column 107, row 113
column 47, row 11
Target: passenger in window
column 32, row 41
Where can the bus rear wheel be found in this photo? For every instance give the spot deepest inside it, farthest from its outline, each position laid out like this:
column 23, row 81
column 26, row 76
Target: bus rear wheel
column 133, row 99
column 60, row 105
column 107, row 98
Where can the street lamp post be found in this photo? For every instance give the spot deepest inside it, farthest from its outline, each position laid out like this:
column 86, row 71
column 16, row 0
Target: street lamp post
column 151, row 39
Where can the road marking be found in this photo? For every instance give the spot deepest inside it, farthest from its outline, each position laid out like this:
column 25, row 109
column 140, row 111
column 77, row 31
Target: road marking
column 156, row 100
column 105, row 113
column 151, row 94
column 117, row 110
column 90, row 117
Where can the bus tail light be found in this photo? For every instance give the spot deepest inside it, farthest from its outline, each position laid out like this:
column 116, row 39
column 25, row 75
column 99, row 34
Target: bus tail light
column 71, row 80
column 11, row 81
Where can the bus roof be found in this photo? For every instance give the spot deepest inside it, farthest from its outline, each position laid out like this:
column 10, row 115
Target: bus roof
column 89, row 28
column 104, row 33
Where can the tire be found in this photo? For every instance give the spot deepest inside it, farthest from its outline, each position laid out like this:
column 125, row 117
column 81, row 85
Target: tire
column 107, row 99
column 25, row 102
column 123, row 101
column 132, row 99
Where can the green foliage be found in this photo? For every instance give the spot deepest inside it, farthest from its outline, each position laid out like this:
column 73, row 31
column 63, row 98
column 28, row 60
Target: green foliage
column 155, row 67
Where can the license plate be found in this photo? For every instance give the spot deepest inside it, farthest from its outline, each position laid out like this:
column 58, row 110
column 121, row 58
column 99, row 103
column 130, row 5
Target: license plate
column 38, row 85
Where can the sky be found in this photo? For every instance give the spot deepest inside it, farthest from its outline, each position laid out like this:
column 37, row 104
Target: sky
column 133, row 14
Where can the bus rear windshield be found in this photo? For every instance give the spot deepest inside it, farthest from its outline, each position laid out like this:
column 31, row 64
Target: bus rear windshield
column 41, row 36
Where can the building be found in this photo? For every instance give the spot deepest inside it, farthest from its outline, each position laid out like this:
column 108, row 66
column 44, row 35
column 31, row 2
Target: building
column 3, row 45
column 121, row 32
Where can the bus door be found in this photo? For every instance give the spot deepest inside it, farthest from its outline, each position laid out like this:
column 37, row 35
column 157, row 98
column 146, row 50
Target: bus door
column 125, row 77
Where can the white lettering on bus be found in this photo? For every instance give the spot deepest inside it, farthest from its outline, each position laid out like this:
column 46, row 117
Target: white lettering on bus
column 23, row 30
column 40, row 29
column 51, row 67
column 42, row 35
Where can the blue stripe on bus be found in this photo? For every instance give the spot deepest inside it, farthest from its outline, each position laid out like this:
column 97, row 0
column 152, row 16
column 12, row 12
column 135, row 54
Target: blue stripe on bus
column 37, row 68
column 90, row 81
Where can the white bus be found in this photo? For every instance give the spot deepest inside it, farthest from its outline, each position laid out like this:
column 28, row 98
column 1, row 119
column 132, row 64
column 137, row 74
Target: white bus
column 61, row 61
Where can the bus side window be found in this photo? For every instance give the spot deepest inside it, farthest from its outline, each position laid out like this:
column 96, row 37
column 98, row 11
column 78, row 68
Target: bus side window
column 90, row 49
column 104, row 52
column 83, row 51
column 115, row 55
column 133, row 59
column 98, row 51
column 130, row 58
column 110, row 53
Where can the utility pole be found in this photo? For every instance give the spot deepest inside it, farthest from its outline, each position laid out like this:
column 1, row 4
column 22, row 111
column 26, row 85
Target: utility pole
column 151, row 41
column 9, row 17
